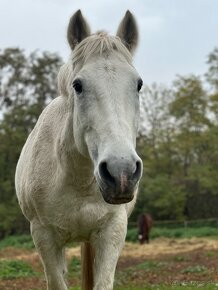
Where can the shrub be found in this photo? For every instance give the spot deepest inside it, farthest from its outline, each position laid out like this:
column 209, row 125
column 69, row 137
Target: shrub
column 15, row 269
column 23, row 241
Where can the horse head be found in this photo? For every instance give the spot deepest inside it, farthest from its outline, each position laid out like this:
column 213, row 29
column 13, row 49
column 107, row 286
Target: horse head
column 104, row 88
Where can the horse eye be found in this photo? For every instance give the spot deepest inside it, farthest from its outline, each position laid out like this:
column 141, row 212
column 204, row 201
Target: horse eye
column 77, row 85
column 140, row 83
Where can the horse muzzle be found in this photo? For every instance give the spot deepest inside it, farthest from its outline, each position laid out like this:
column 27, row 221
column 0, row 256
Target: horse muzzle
column 119, row 179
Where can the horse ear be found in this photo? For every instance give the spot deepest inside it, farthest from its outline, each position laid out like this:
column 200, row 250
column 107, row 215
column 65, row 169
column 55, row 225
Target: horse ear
column 78, row 29
column 128, row 31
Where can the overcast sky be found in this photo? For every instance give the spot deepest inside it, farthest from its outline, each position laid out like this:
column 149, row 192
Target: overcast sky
column 175, row 35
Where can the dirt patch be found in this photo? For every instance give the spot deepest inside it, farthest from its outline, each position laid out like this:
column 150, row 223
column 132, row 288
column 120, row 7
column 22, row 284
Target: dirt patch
column 163, row 246
column 162, row 261
column 170, row 261
column 23, row 283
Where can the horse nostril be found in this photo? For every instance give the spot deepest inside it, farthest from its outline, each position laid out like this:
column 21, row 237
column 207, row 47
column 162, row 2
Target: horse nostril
column 105, row 174
column 138, row 171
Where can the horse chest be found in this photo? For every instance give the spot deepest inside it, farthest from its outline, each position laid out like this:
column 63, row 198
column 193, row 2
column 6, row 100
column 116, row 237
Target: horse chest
column 80, row 215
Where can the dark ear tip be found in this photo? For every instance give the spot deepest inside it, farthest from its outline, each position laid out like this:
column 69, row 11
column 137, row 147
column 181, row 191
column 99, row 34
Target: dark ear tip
column 128, row 13
column 77, row 30
column 78, row 12
column 129, row 17
column 128, row 32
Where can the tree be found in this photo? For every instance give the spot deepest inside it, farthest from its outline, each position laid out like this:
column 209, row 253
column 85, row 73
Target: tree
column 212, row 78
column 179, row 151
column 13, row 77
column 212, row 74
column 193, row 142
column 27, row 84
column 160, row 193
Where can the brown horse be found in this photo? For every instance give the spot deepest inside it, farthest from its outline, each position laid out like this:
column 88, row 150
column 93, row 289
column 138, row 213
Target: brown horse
column 145, row 223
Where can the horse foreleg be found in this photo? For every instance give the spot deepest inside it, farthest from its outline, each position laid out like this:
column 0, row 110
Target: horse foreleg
column 108, row 243
column 52, row 255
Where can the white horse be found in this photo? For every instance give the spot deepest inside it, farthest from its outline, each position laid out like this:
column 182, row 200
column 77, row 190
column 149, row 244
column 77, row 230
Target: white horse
column 78, row 173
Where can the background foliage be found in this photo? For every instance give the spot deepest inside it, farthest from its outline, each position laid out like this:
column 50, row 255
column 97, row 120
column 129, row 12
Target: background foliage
column 179, row 147
column 178, row 139
column 27, row 84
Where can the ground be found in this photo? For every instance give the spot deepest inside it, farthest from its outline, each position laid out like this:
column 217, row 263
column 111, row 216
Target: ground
column 167, row 262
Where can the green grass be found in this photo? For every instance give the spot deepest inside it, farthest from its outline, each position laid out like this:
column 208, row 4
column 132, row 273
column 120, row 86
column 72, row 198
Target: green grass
column 195, row 269
column 74, row 267
column 174, row 233
column 181, row 259
column 151, row 265
column 23, row 241
column 185, row 232
column 210, row 254
column 11, row 269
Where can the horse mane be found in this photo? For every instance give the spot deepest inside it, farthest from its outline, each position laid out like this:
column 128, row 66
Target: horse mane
column 99, row 43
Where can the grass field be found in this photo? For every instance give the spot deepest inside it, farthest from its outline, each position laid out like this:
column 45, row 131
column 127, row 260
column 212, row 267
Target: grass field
column 166, row 263
column 25, row 241
column 173, row 233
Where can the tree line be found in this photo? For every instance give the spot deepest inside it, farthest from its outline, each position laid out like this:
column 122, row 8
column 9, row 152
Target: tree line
column 178, row 143
column 178, row 137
